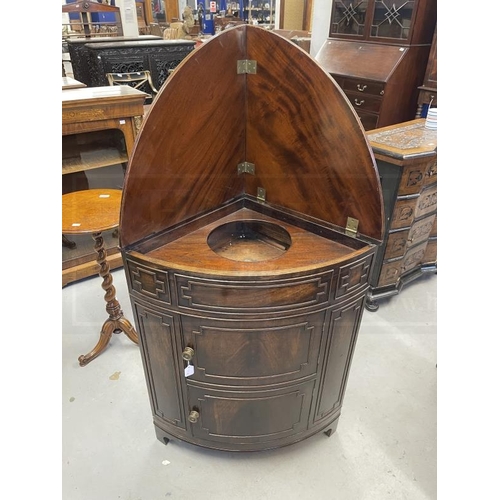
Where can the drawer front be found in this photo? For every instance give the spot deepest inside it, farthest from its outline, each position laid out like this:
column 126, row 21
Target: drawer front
column 413, row 178
column 363, row 86
column 390, row 273
column 250, row 417
column 431, row 173
column 396, row 244
column 421, row 230
column 368, row 120
column 430, row 255
column 253, row 353
column 253, row 297
column 426, row 96
column 404, row 212
column 364, row 102
column 413, row 258
column 427, row 202
column 434, row 230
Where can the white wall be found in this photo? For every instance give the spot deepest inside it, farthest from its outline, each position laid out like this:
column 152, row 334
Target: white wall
column 129, row 17
column 320, row 23
column 322, row 10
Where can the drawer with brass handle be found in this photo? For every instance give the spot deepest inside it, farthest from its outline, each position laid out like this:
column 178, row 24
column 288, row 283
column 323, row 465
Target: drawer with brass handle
column 365, row 86
column 365, row 102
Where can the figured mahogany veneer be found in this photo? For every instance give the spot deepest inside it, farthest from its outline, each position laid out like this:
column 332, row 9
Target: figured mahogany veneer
column 247, row 287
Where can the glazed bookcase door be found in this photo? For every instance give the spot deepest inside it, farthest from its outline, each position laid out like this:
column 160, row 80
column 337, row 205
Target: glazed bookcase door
column 373, row 19
column 349, row 18
column 392, row 19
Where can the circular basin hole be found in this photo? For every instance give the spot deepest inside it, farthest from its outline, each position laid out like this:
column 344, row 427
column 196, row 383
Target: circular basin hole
column 249, row 240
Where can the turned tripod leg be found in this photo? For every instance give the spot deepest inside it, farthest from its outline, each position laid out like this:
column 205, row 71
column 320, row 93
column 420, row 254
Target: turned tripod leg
column 116, row 322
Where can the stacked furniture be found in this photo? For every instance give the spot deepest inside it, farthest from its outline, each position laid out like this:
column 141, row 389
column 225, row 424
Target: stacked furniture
column 248, row 231
column 377, row 52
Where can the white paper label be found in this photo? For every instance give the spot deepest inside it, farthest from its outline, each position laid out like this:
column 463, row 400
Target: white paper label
column 188, row 371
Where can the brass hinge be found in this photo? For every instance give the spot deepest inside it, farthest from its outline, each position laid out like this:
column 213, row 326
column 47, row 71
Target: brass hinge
column 351, row 227
column 246, row 168
column 261, row 194
column 246, row 66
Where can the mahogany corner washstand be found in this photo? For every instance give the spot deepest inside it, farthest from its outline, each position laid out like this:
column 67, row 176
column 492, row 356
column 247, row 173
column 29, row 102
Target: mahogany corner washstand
column 251, row 212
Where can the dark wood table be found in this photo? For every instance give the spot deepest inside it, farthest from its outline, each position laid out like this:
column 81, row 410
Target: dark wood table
column 91, row 212
column 160, row 57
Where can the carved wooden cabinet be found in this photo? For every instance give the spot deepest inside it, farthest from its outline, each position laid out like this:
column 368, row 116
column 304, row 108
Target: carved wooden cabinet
column 79, row 54
column 160, row 57
column 248, row 232
column 407, row 163
column 377, row 52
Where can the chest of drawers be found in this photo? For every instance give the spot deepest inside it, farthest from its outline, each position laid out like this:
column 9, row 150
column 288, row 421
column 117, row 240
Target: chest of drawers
column 407, row 163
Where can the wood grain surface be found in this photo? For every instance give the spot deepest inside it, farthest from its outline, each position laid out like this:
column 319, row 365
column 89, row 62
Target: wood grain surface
column 290, row 119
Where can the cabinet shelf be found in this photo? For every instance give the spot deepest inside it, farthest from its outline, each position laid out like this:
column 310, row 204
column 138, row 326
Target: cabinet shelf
column 93, row 150
column 93, row 158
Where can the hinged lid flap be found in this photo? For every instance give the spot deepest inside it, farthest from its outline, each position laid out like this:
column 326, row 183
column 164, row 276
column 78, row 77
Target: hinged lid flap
column 364, row 60
column 290, row 119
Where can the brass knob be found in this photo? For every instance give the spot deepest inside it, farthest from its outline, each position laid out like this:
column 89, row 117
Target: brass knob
column 193, row 416
column 187, row 354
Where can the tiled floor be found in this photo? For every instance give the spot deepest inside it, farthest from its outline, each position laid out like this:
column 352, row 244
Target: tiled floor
column 384, row 447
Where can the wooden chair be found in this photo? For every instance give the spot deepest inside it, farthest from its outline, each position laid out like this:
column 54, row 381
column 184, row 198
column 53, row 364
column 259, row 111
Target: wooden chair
column 140, row 80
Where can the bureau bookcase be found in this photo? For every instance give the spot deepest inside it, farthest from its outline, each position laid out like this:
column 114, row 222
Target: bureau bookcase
column 377, row 52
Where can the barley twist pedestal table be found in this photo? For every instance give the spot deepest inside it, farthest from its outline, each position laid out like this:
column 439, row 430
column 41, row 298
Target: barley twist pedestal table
column 91, row 212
